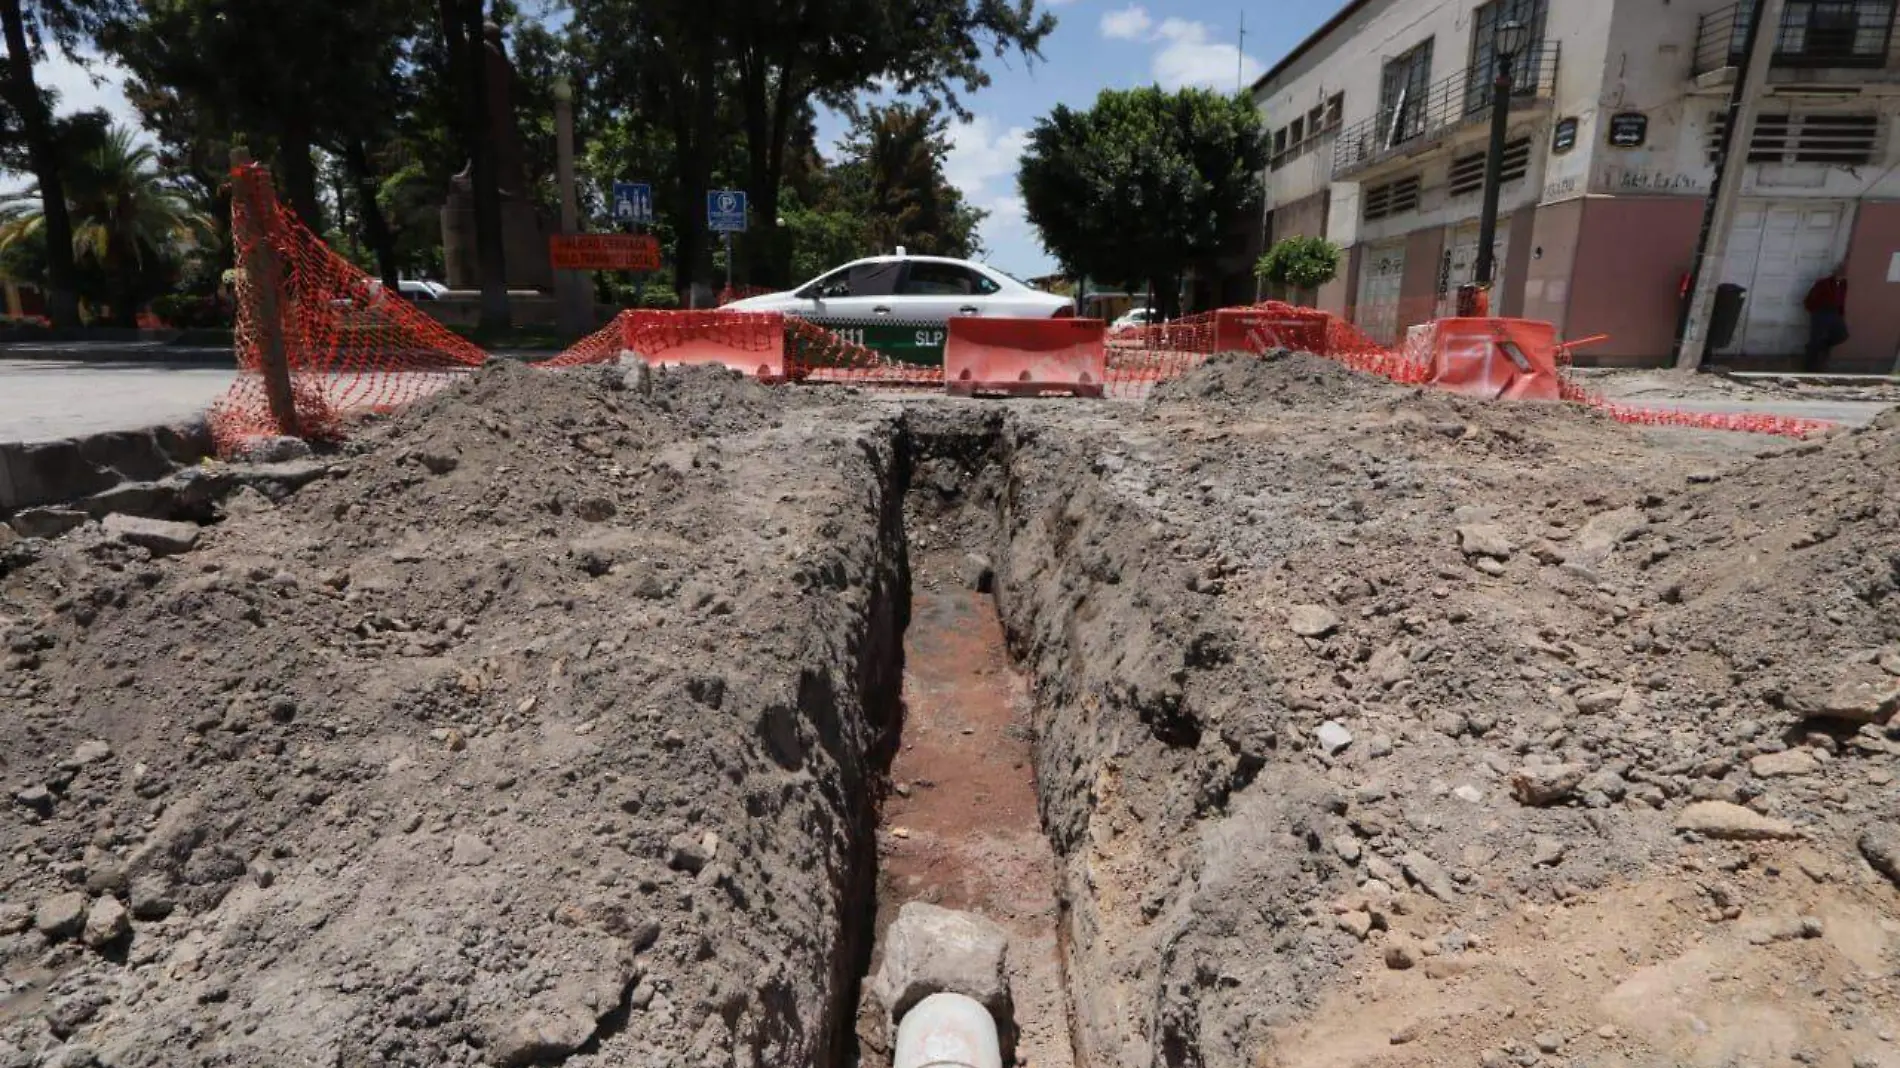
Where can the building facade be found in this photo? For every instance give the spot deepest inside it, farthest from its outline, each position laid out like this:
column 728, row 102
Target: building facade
column 1379, row 126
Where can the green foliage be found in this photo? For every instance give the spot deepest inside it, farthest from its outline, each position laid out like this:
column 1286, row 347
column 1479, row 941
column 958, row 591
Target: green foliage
column 131, row 230
column 191, row 311
column 1299, row 262
column 1144, row 184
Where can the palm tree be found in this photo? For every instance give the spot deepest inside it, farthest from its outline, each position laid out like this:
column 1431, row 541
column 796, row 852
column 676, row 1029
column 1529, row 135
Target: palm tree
column 127, row 221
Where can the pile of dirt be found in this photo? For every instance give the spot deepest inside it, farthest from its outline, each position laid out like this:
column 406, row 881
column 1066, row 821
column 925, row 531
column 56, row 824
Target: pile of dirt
column 448, row 758
column 1283, row 378
column 1391, row 684
column 1371, row 726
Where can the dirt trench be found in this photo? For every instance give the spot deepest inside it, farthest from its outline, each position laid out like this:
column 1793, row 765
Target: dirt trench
column 563, row 720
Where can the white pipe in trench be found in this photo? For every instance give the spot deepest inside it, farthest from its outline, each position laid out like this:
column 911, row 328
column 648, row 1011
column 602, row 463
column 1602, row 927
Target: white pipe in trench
column 947, row 1031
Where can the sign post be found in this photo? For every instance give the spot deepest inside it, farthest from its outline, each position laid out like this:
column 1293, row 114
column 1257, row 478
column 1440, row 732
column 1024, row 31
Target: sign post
column 725, row 214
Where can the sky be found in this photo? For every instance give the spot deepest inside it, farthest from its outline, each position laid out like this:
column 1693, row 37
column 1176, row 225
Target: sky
column 1101, row 44
column 1097, row 44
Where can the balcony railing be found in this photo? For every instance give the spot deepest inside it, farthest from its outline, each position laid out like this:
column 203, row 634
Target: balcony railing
column 1813, row 33
column 1465, row 97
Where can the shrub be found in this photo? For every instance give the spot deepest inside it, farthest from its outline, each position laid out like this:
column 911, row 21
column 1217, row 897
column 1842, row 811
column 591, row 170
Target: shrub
column 1299, row 262
column 186, row 311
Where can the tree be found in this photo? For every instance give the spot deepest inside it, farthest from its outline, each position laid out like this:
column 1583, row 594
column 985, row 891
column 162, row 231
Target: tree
column 127, row 221
column 893, row 177
column 1143, row 184
column 789, row 53
column 1300, row 263
column 29, row 25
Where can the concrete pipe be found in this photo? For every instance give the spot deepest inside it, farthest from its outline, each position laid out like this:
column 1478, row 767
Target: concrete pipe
column 947, row 1031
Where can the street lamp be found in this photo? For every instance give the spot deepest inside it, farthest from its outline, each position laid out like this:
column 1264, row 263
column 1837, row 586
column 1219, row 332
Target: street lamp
column 1509, row 40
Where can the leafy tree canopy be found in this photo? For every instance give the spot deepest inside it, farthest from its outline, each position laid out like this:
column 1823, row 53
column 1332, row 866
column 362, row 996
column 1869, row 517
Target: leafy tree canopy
column 1143, row 184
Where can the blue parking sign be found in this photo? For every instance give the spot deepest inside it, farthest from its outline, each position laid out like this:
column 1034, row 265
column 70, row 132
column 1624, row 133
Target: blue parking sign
column 633, row 202
column 725, row 211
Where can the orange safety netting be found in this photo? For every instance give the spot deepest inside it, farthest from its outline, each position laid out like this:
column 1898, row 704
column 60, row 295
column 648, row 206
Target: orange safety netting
column 349, row 345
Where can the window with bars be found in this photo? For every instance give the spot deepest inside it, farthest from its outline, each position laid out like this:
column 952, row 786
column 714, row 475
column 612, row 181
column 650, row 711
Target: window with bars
column 1403, row 88
column 1303, row 133
column 1467, row 172
column 1483, row 73
column 1392, row 198
column 1842, row 140
column 1821, row 33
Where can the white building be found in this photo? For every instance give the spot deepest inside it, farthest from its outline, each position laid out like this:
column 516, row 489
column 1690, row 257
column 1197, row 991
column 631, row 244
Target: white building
column 1379, row 126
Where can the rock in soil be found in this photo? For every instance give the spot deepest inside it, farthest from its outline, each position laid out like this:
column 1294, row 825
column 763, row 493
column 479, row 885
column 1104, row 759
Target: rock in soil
column 930, row 950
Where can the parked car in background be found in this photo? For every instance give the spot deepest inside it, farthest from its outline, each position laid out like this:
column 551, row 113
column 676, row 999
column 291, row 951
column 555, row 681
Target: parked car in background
column 1135, row 317
column 415, row 289
column 906, row 288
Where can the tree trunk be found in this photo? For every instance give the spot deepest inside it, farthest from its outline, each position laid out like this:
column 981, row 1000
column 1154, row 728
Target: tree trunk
column 299, row 174
column 375, row 227
column 490, row 252
column 695, row 127
column 1165, row 292
column 62, row 290
column 767, row 118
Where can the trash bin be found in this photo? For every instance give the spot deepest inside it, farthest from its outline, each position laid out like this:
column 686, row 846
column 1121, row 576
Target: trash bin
column 1725, row 315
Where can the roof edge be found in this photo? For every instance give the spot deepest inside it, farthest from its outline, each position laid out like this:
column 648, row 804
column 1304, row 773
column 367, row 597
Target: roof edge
column 1351, row 7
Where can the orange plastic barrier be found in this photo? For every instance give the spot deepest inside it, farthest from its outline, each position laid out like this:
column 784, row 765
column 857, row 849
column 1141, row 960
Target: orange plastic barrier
column 751, row 343
column 1271, row 327
column 1509, row 359
column 1025, row 357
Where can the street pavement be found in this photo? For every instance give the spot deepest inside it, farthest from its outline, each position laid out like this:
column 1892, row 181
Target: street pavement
column 47, row 399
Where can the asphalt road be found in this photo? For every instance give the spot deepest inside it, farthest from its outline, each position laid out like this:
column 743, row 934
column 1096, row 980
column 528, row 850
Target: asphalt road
column 46, row 399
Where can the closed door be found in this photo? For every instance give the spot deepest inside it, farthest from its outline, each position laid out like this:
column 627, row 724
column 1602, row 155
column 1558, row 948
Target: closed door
column 1776, row 250
column 1460, row 266
column 1381, row 278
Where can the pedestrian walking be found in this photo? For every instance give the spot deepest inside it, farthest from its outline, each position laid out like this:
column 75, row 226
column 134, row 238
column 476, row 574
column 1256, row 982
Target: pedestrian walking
column 1827, row 317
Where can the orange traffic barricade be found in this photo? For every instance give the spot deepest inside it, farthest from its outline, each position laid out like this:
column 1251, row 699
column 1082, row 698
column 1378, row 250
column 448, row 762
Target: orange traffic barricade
column 751, row 343
column 1508, row 359
column 1266, row 329
column 1025, row 357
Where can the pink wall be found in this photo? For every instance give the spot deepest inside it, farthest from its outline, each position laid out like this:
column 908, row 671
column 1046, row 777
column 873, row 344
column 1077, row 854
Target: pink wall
column 1418, row 290
column 1631, row 254
column 1873, row 303
column 1517, row 259
column 1549, row 261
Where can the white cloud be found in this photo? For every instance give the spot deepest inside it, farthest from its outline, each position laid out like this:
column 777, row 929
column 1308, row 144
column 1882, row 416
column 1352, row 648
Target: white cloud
column 1187, row 57
column 982, row 164
column 1129, row 24
column 981, row 154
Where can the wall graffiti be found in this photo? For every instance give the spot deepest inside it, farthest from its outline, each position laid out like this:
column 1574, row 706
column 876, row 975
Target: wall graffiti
column 1563, row 187
column 1630, row 179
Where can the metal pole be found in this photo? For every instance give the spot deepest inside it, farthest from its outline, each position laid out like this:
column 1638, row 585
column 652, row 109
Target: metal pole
column 1494, row 170
column 570, row 287
column 728, row 261
column 1718, row 212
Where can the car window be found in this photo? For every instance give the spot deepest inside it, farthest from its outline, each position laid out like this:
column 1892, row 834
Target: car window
column 826, row 283
column 945, row 280
column 875, row 279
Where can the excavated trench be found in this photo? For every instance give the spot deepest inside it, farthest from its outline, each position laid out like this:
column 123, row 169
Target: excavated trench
column 957, row 805
column 948, row 811
column 1070, row 754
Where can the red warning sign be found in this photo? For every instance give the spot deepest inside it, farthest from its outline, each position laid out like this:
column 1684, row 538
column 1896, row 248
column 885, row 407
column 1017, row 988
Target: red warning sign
column 604, row 252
